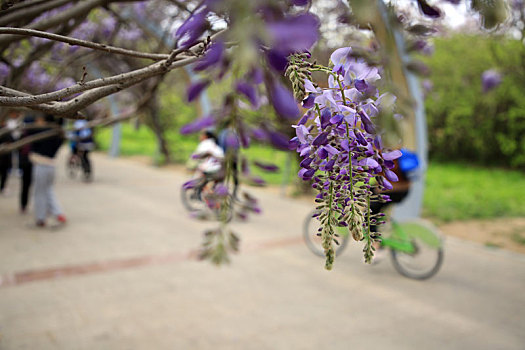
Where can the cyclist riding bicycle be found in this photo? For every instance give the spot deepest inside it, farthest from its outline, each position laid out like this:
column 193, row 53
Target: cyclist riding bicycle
column 81, row 142
column 210, row 156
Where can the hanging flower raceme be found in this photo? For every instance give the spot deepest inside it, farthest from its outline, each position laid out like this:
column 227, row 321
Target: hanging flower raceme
column 341, row 154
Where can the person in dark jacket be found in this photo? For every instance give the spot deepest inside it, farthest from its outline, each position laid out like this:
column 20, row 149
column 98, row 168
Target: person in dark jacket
column 26, row 167
column 43, row 153
column 5, row 158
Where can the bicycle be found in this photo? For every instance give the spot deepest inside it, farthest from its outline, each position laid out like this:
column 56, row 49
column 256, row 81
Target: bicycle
column 74, row 165
column 415, row 247
column 202, row 200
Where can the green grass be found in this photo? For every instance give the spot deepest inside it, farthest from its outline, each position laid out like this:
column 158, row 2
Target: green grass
column 142, row 142
column 453, row 191
column 460, row 192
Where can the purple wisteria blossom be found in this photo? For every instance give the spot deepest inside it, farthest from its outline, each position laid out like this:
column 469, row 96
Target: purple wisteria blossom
column 283, row 101
column 196, row 89
column 212, row 57
column 294, row 33
column 192, row 29
column 197, row 125
column 341, row 153
column 490, row 79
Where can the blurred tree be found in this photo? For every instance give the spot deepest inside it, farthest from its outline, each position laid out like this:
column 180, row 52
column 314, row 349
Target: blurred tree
column 466, row 123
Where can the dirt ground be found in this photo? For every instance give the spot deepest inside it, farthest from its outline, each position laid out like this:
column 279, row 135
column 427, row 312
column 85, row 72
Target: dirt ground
column 505, row 233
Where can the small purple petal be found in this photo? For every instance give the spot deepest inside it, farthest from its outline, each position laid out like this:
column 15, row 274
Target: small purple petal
column 361, row 85
column 306, row 174
column 392, row 155
column 266, row 166
column 389, row 164
column 322, row 153
column 302, row 132
column 305, row 163
column 360, row 138
column 303, row 119
column 196, row 89
column 277, row 60
column 293, row 143
column 221, row 190
column 247, row 90
column 283, row 101
column 259, row 134
column 386, row 183
column 309, row 86
column 191, row 29
column 326, row 115
column 331, row 150
column 345, row 145
column 490, row 79
column 305, row 151
column 378, row 143
column 321, row 139
column 309, row 102
column 329, row 165
column 369, row 162
column 390, row 175
column 212, row 57
column 279, row 140
column 336, row 119
column 197, row 125
column 294, row 33
column 257, row 181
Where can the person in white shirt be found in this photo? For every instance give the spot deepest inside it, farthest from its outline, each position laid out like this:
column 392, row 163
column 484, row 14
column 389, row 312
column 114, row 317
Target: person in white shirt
column 210, row 154
column 211, row 157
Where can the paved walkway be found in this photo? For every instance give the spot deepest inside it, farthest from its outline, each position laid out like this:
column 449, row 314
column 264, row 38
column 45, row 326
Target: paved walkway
column 122, row 275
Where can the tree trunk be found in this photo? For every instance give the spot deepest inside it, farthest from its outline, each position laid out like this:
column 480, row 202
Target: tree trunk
column 156, row 126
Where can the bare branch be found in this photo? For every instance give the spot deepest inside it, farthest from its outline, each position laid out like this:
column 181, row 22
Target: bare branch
column 68, row 109
column 20, row 12
column 79, row 9
column 114, row 83
column 84, row 43
column 141, row 74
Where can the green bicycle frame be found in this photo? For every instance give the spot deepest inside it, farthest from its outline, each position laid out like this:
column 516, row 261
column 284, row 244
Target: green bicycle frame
column 399, row 240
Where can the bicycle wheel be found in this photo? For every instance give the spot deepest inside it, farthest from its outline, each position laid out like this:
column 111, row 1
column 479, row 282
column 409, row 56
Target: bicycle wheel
column 313, row 240
column 191, row 201
column 426, row 261
column 72, row 167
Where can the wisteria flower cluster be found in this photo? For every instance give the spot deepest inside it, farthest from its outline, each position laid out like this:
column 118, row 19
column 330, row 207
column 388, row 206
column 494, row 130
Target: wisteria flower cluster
column 342, row 154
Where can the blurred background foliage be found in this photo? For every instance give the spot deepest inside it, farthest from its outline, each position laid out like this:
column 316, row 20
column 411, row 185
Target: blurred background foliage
column 466, row 124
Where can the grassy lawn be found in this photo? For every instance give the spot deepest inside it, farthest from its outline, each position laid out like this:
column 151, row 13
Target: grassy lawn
column 453, row 192
column 460, row 192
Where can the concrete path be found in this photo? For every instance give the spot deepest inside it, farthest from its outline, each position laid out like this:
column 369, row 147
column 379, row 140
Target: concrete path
column 122, row 275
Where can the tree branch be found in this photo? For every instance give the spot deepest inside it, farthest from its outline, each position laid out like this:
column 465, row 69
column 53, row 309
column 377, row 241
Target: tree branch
column 78, row 9
column 68, row 109
column 84, row 43
column 22, row 12
column 141, row 74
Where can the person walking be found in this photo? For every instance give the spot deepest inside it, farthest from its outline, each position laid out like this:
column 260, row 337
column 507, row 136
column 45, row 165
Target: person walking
column 42, row 155
column 84, row 145
column 26, row 167
column 5, row 158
